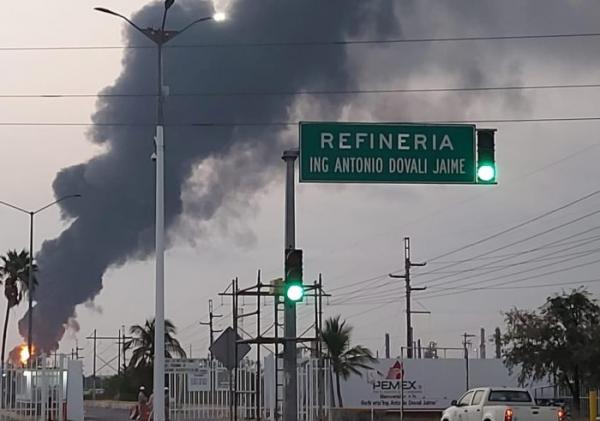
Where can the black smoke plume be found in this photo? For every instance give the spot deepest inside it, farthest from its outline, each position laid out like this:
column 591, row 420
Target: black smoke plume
column 114, row 221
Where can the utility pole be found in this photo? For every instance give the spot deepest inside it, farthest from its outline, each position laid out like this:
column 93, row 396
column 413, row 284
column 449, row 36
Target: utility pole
column 408, row 264
column 466, row 342
column 123, row 344
column 211, row 317
column 94, row 375
column 119, row 353
column 75, row 352
column 120, row 338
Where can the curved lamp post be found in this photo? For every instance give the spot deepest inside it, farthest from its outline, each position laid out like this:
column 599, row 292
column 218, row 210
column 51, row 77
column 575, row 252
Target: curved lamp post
column 160, row 37
column 30, row 280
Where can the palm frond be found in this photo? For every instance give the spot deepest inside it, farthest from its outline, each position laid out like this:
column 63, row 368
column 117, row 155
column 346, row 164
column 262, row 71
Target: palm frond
column 14, row 272
column 142, row 343
column 345, row 360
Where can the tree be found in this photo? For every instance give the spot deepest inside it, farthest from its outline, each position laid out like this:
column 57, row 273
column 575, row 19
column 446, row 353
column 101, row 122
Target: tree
column 561, row 339
column 14, row 272
column 344, row 360
column 143, row 344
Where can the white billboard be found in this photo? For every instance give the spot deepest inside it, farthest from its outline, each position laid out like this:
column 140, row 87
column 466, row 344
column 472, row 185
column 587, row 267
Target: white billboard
column 427, row 384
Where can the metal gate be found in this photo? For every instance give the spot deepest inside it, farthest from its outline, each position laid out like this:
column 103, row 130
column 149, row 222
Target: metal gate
column 313, row 401
column 38, row 391
column 201, row 390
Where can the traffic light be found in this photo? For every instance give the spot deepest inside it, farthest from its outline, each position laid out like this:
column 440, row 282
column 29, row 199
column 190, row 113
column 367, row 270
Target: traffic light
column 292, row 287
column 486, row 160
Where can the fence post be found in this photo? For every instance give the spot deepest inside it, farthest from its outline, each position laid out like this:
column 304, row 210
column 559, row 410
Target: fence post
column 44, row 391
column 61, row 395
column 593, row 403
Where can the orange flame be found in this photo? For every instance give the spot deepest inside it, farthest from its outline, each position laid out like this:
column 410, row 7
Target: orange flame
column 24, row 354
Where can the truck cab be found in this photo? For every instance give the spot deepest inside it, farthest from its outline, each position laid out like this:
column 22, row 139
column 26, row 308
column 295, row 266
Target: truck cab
column 500, row 404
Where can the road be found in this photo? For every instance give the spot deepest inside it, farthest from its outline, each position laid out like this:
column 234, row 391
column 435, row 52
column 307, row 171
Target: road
column 104, row 414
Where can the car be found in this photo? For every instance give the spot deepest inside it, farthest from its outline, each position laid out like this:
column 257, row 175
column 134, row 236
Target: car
column 500, row 404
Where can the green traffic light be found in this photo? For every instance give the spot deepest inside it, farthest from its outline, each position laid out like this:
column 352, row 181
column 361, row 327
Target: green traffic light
column 486, row 172
column 294, row 292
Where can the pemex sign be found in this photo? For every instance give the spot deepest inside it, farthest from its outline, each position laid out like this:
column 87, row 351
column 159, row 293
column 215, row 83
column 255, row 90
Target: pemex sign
column 387, row 153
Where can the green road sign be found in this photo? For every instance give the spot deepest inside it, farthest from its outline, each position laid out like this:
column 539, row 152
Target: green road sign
column 387, row 153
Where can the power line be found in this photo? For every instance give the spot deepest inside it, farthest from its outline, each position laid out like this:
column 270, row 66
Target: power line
column 391, row 298
column 554, row 228
column 478, row 281
column 519, row 225
column 501, row 259
column 304, row 93
column 362, row 282
column 437, row 290
column 384, row 304
column 556, row 284
column 543, row 258
column 290, row 123
column 502, row 286
column 372, row 294
column 500, row 233
column 349, row 294
column 375, row 291
column 187, row 327
column 553, row 244
column 324, row 43
column 465, row 290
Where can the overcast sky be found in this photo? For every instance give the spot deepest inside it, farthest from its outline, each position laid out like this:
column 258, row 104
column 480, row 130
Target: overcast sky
column 349, row 233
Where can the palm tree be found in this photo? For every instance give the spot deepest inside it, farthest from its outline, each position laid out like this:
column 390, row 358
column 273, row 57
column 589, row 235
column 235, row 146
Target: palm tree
column 344, row 360
column 143, row 344
column 14, row 272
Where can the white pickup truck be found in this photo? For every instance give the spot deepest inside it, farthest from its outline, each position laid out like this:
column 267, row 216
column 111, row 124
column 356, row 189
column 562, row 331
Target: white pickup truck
column 500, row 404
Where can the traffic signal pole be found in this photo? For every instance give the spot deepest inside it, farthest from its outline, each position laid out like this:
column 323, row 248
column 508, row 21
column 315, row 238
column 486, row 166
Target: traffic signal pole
column 290, row 406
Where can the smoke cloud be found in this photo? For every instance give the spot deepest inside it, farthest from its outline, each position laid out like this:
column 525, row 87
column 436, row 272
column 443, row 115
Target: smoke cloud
column 210, row 168
column 114, row 221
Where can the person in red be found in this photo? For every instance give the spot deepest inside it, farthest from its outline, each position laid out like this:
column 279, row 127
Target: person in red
column 141, row 411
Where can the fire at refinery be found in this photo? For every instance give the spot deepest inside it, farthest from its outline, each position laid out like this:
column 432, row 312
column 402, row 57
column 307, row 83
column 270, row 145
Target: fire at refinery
column 19, row 356
column 24, row 354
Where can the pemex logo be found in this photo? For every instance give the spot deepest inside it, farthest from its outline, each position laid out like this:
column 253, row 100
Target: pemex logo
column 396, row 372
column 395, row 380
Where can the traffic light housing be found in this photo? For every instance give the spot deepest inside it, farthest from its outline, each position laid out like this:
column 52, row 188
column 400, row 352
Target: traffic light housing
column 486, row 159
column 293, row 289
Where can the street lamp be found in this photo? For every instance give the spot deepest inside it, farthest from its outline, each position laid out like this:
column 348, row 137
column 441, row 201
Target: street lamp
column 160, row 37
column 219, row 16
column 30, row 280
